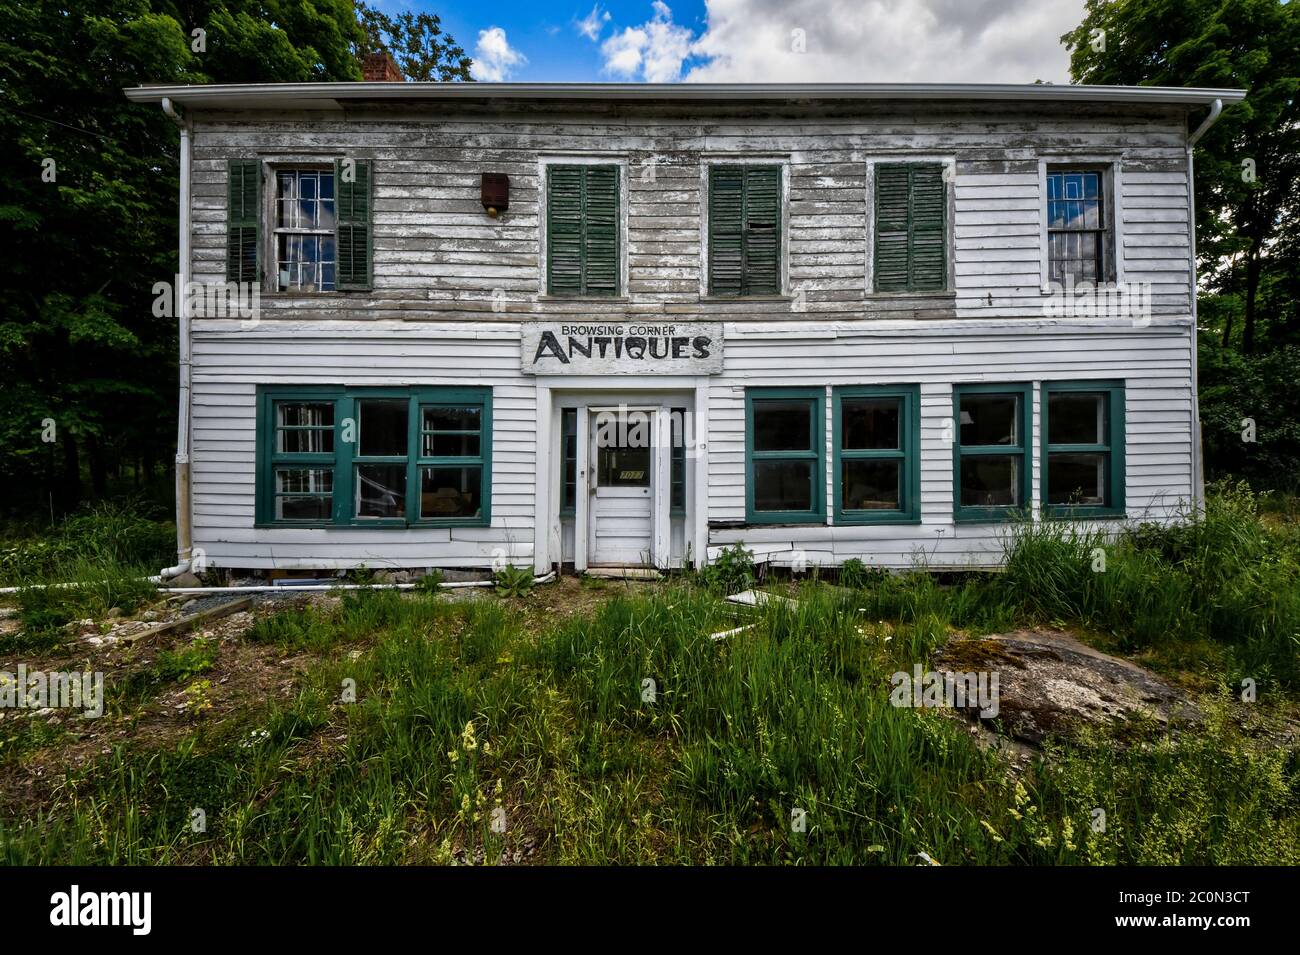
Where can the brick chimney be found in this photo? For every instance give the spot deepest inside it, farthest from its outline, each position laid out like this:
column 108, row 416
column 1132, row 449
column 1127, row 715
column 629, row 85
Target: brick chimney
column 381, row 68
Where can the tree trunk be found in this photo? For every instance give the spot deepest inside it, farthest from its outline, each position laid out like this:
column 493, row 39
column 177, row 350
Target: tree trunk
column 1253, row 268
column 98, row 471
column 1227, row 329
column 70, row 489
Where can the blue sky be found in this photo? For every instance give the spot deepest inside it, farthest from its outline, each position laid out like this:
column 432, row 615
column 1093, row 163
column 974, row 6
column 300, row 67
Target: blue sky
column 760, row 40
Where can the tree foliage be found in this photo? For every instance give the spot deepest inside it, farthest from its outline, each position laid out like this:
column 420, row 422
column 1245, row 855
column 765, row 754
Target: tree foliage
column 417, row 42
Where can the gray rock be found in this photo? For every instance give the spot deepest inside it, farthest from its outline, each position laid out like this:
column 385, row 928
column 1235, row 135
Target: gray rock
column 1049, row 683
column 185, row 580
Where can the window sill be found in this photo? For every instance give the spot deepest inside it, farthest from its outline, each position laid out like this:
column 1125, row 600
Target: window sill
column 1005, row 516
column 897, row 519
column 727, row 299
column 614, row 299
column 377, row 524
column 895, row 296
column 1065, row 513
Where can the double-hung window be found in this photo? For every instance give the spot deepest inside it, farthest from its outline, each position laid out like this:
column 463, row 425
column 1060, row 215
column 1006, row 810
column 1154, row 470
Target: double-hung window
column 744, row 230
column 318, row 219
column 1077, row 217
column 786, row 446
column 910, row 247
column 1083, row 448
column 332, row 456
column 877, row 476
column 582, row 230
column 991, row 452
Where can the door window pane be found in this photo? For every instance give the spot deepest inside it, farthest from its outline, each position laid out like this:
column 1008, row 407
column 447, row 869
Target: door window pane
column 623, row 467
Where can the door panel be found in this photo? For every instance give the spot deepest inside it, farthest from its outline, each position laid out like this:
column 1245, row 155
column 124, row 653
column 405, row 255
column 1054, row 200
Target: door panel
column 622, row 502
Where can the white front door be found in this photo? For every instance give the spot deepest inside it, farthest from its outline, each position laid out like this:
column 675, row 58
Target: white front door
column 622, row 464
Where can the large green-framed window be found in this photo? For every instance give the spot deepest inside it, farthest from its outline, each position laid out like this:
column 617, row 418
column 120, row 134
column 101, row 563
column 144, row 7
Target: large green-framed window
column 1083, row 448
column 991, row 451
column 785, row 448
column 877, row 458
column 383, row 457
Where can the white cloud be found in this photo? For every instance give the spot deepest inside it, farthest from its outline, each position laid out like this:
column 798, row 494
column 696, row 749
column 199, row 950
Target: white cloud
column 494, row 57
column 903, row 41
column 653, row 51
column 591, row 25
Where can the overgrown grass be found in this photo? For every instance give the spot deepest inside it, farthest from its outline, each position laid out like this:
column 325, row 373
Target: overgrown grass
column 104, row 537
column 462, row 709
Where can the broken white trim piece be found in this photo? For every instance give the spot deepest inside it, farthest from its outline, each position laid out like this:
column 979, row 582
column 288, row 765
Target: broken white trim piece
column 759, row 598
column 723, row 634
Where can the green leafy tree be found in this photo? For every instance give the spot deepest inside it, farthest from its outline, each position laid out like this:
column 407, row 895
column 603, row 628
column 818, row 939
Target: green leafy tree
column 417, row 42
column 1248, row 165
column 88, row 201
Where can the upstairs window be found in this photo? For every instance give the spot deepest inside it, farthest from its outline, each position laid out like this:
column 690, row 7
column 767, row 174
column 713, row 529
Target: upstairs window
column 1076, row 226
column 304, row 230
column 910, row 228
column 744, row 230
column 582, row 230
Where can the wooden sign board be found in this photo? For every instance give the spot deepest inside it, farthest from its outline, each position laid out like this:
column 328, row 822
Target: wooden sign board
column 621, row 348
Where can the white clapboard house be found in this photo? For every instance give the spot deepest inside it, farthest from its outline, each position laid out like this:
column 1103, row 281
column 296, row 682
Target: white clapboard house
column 474, row 324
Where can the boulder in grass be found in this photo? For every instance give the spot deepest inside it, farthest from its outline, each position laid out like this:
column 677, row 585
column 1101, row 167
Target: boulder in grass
column 184, row 580
column 1050, row 684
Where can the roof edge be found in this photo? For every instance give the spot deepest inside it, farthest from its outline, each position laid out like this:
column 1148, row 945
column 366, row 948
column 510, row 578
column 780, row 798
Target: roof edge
column 322, row 95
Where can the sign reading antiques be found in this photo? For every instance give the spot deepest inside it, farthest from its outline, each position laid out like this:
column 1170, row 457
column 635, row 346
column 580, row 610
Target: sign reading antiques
column 622, row 348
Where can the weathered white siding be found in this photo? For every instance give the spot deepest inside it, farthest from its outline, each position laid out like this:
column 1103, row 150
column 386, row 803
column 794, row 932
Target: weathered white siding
column 1154, row 362
column 438, row 257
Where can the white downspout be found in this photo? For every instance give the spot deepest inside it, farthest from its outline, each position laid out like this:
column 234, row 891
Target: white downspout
column 1198, row 454
column 184, row 536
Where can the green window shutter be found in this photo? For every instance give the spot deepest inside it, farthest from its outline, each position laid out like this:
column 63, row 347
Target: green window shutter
column 762, row 231
column 929, row 270
column 243, row 219
column 892, row 220
column 582, row 225
column 726, row 230
column 600, row 218
column 910, row 250
column 353, row 230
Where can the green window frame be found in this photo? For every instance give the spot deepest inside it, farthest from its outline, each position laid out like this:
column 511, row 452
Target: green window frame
column 757, row 459
column 677, row 462
column 744, row 229
column 568, row 461
column 1107, row 452
column 906, row 452
column 910, row 252
column 583, row 255
column 426, row 450
column 1020, row 451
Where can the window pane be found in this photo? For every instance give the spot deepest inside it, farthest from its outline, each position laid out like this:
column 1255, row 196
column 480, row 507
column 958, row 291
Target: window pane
column 623, row 467
column 318, row 508
column 1075, row 418
column 1076, row 478
column 783, row 485
column 457, row 432
column 304, row 480
column 989, row 420
column 304, row 427
column 451, row 492
column 990, row 480
column 871, row 485
column 569, row 457
column 783, row 424
column 870, row 423
column 677, row 463
column 381, row 490
column 383, row 427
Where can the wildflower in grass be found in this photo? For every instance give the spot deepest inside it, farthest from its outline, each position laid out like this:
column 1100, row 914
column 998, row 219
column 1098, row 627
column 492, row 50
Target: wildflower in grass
column 1067, row 834
column 993, row 832
column 453, row 755
column 467, row 739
